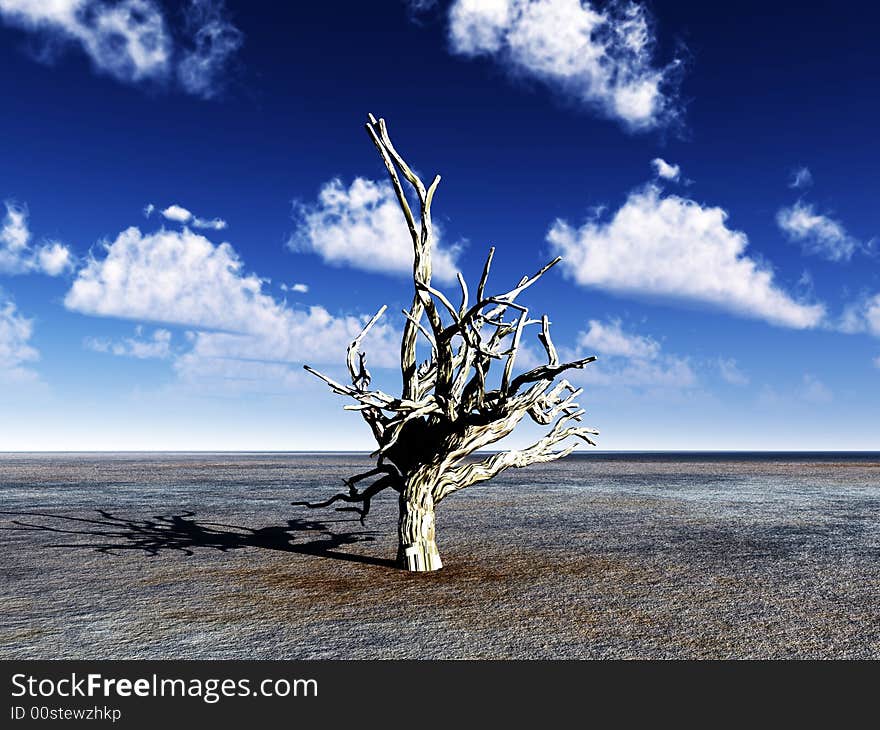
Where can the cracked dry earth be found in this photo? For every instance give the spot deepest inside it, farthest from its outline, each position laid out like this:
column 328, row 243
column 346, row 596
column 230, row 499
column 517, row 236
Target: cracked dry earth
column 599, row 556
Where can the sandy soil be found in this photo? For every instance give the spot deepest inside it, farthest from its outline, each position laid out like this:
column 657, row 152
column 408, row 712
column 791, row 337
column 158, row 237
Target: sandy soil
column 202, row 557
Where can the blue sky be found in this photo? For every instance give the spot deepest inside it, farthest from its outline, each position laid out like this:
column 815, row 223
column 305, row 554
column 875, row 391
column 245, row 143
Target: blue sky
column 190, row 209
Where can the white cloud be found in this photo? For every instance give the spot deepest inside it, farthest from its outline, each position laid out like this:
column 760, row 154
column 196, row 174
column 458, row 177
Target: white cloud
column 14, row 233
column 665, row 170
column 148, row 210
column 53, row 258
column 131, row 41
column 215, row 224
column 215, row 41
column 312, row 335
column 177, row 213
column 668, row 372
column 862, row 316
column 602, row 58
column 16, row 352
column 170, row 276
column 17, row 256
column 610, row 339
column 731, row 372
column 629, row 360
column 801, row 178
column 158, row 345
column 128, row 40
column 817, row 234
column 669, row 246
column 298, row 288
column 814, row 390
column 180, row 277
column 362, row 226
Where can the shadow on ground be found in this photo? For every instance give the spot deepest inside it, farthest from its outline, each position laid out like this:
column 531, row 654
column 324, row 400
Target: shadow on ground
column 112, row 534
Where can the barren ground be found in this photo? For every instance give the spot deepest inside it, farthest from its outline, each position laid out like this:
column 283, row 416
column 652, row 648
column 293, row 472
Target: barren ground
column 202, row 556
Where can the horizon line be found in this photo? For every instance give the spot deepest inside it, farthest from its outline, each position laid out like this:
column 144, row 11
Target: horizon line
column 488, row 451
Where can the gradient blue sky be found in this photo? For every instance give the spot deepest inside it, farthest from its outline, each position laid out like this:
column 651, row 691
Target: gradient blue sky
column 735, row 307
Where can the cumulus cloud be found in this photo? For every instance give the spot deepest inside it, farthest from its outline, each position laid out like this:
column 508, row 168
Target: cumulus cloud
column 16, row 352
column 53, row 258
column 178, row 277
column 362, row 226
column 170, row 276
column 179, row 214
column 157, row 346
column 665, row 170
column 801, row 178
column 818, row 234
column 672, row 247
column 731, row 373
column 602, row 58
column 17, row 256
column 297, row 288
column 131, row 41
column 629, row 360
column 182, row 278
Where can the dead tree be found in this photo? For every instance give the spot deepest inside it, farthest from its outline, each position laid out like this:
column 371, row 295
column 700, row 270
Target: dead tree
column 446, row 411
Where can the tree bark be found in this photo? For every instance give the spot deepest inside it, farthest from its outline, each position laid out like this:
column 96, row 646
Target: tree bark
column 417, row 551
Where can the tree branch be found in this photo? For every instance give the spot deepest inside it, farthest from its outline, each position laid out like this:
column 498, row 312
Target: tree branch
column 445, row 412
column 391, row 479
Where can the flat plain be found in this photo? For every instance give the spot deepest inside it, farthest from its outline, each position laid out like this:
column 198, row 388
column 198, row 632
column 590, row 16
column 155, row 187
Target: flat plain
column 197, row 556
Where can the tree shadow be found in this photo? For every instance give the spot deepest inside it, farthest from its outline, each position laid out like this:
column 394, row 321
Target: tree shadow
column 112, row 535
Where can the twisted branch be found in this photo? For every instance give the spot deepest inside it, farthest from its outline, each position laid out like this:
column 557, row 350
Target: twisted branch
column 445, row 411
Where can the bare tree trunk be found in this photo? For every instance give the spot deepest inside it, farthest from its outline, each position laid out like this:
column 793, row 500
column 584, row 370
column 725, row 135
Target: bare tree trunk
column 417, row 550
